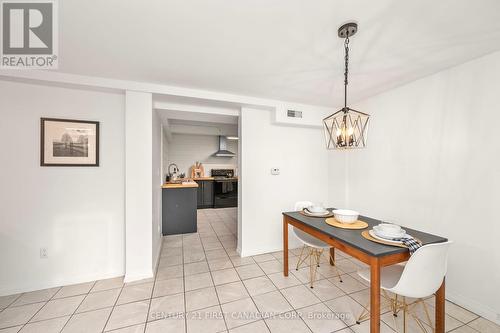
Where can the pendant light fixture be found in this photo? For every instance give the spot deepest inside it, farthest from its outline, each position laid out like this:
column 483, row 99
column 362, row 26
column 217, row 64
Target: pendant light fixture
column 346, row 128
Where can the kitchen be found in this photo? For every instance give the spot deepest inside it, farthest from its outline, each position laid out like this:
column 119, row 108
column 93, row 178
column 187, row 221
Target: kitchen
column 200, row 168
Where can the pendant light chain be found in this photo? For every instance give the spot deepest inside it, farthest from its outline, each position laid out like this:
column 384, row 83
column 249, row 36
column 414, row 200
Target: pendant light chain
column 346, row 73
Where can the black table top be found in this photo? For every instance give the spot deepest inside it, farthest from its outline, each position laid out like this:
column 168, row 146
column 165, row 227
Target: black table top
column 354, row 238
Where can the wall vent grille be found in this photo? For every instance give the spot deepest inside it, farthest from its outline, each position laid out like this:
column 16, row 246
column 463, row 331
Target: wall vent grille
column 294, row 114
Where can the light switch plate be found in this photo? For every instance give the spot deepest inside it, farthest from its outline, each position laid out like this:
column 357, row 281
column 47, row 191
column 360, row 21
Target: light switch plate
column 275, row 171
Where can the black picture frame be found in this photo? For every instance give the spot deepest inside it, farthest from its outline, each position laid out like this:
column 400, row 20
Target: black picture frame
column 43, row 162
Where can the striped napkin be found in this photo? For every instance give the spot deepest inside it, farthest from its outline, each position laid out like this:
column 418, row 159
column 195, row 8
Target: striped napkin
column 411, row 243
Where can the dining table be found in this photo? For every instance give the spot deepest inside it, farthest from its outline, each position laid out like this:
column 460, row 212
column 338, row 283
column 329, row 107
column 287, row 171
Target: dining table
column 373, row 254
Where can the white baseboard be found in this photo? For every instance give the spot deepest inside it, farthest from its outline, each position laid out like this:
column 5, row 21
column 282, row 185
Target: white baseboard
column 10, row 290
column 136, row 276
column 473, row 306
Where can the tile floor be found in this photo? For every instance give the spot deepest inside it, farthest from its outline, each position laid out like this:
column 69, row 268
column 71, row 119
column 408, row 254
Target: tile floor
column 203, row 286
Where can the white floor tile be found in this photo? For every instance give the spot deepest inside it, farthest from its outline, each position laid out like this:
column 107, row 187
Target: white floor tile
column 209, row 320
column 271, row 304
column 166, row 325
column 58, row 308
column 249, row 271
column 300, row 296
column 287, row 323
column 320, row 319
column 47, row 326
column 36, row 296
column 231, row 292
column 198, row 281
column 128, row 315
column 240, row 312
column 166, row 307
column 225, row 276
column 484, row 326
column 259, row 285
column 168, row 287
column 74, row 290
column 19, row 315
column 201, row 298
column 88, row 322
column 107, row 284
column 135, row 293
column 99, row 300
column 255, row 327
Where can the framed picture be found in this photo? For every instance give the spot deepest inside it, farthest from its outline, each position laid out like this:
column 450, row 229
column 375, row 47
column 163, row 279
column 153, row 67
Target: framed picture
column 68, row 142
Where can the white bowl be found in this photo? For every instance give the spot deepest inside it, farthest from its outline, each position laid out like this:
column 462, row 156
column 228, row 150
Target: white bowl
column 384, row 235
column 389, row 229
column 316, row 209
column 345, row 215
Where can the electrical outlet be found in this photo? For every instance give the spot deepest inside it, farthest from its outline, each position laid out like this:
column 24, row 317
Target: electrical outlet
column 43, row 253
column 275, row 171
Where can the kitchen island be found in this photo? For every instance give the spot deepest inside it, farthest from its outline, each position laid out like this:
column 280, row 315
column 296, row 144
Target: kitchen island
column 179, row 203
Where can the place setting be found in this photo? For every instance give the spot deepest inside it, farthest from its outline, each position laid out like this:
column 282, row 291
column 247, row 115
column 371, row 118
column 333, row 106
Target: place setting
column 316, row 210
column 340, row 218
column 392, row 234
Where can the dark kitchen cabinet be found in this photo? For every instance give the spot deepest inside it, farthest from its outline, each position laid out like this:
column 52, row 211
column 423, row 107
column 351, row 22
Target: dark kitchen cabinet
column 205, row 195
column 179, row 211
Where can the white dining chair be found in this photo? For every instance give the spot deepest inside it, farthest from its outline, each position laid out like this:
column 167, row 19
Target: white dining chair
column 312, row 248
column 419, row 278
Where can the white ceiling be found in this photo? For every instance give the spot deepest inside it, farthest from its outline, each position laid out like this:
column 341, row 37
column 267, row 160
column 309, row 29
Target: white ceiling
column 280, row 49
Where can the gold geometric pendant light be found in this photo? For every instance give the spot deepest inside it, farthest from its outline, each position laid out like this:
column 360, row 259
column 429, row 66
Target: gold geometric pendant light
column 346, row 128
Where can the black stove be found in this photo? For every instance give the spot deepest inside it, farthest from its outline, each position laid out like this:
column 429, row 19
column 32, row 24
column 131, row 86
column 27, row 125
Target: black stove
column 225, row 188
column 222, row 173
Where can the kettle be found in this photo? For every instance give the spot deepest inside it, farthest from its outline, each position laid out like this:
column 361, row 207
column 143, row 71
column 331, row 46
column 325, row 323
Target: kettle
column 173, row 176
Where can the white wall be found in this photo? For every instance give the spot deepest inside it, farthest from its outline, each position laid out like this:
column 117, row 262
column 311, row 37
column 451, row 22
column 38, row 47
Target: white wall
column 157, row 181
column 301, row 156
column 186, row 149
column 138, row 179
column 77, row 213
column 433, row 163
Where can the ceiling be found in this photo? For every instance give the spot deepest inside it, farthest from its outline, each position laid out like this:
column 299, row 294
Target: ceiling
column 281, row 49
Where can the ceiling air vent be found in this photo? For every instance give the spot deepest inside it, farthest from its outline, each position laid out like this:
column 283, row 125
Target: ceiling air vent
column 294, row 114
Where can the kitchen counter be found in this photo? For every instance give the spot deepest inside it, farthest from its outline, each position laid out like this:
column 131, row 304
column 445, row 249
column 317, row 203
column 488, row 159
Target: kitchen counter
column 180, row 185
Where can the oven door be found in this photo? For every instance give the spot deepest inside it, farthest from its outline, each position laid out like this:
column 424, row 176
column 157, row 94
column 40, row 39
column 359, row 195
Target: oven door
column 225, row 193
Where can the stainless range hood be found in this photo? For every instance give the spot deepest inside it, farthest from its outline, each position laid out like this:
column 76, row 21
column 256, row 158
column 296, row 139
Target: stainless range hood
column 223, row 152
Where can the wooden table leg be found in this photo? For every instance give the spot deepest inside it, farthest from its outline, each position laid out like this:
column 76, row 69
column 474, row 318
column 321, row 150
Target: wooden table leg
column 332, row 256
column 285, row 246
column 440, row 311
column 374, row 295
